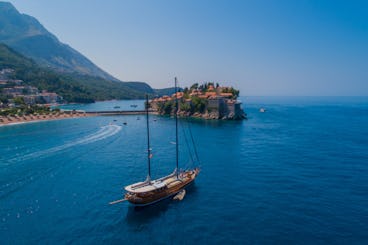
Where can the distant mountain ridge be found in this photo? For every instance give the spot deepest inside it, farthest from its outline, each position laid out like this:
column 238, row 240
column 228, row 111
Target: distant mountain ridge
column 165, row 91
column 29, row 45
column 27, row 36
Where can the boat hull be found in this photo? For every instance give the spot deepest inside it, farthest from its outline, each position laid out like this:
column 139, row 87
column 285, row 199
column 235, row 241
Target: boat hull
column 144, row 199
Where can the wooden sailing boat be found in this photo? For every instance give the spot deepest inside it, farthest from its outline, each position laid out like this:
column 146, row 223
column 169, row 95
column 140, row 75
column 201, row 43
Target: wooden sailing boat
column 151, row 191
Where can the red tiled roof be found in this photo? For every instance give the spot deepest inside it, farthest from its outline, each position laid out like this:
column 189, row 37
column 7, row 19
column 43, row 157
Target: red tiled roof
column 210, row 94
column 226, row 94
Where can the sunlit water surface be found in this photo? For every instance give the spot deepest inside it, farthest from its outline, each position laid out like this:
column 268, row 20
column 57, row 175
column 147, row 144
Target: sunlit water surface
column 297, row 173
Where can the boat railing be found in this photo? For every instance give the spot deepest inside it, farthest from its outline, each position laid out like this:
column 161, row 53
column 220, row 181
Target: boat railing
column 139, row 185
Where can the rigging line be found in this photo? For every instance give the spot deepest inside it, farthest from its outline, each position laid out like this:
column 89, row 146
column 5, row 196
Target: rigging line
column 187, row 142
column 193, row 142
column 149, row 154
column 176, row 129
column 182, row 126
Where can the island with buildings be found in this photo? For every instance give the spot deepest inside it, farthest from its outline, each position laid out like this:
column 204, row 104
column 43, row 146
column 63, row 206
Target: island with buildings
column 208, row 101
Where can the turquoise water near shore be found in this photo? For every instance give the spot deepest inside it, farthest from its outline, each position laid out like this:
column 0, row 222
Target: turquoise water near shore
column 294, row 174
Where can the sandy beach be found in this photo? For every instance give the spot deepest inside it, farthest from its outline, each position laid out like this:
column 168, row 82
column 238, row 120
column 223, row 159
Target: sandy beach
column 13, row 120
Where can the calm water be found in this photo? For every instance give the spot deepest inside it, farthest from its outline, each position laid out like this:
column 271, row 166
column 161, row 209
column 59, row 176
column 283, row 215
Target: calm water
column 295, row 174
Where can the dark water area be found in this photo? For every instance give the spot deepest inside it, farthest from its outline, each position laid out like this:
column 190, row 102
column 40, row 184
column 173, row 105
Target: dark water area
column 297, row 173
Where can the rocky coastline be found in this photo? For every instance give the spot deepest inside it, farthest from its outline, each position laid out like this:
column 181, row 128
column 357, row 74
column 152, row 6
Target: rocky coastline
column 213, row 115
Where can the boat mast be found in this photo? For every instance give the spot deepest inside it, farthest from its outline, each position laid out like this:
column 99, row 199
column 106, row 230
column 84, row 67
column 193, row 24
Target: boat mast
column 148, row 142
column 176, row 129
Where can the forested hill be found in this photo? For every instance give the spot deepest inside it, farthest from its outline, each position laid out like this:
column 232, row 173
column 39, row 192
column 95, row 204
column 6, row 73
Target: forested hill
column 28, row 36
column 73, row 87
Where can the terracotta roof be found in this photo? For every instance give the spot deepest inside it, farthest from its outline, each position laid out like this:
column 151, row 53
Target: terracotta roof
column 226, row 94
column 211, row 94
column 178, row 94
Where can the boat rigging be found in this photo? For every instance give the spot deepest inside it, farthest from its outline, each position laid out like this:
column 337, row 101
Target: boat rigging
column 152, row 191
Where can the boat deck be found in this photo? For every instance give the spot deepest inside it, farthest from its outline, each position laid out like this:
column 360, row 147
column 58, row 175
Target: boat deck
column 167, row 181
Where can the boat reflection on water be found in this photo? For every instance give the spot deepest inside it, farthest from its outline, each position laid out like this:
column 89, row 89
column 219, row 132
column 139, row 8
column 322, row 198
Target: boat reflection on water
column 138, row 215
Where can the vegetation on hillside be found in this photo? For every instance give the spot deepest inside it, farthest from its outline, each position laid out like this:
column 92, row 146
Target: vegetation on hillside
column 28, row 36
column 23, row 109
column 73, row 87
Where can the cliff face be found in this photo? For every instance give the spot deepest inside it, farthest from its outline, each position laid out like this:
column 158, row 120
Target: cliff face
column 213, row 109
column 225, row 110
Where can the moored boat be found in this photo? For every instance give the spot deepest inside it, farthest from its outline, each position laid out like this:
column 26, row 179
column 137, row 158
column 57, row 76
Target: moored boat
column 151, row 191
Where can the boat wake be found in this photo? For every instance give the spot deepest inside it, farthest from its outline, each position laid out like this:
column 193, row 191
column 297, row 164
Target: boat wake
column 30, row 172
column 103, row 133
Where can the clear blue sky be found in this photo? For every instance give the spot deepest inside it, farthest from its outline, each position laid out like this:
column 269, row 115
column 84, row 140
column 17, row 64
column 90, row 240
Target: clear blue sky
column 263, row 47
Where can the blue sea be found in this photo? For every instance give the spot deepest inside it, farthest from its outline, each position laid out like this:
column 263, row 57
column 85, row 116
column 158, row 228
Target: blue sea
column 295, row 174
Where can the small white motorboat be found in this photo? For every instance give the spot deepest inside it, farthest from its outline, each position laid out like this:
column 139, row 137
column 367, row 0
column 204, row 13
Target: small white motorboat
column 180, row 195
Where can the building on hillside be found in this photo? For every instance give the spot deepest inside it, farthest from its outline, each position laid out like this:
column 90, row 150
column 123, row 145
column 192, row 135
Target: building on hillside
column 226, row 95
column 50, row 98
column 216, row 104
column 178, row 95
column 4, row 73
column 234, row 107
column 20, row 90
column 14, row 91
column 16, row 82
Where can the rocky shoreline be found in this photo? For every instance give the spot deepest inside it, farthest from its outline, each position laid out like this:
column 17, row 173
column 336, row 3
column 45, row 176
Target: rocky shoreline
column 206, row 116
column 213, row 116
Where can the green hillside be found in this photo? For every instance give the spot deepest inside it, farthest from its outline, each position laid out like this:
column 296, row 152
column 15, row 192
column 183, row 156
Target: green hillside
column 72, row 86
column 28, row 36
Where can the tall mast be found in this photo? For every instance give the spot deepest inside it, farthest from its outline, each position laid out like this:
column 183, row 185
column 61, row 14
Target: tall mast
column 148, row 142
column 176, row 129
